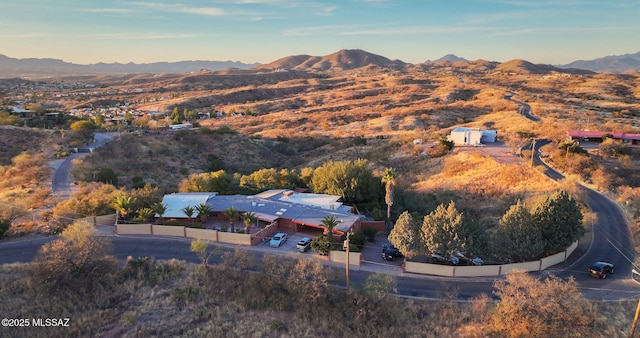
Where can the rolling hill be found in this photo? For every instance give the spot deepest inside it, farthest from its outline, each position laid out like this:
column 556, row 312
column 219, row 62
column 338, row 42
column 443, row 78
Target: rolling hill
column 345, row 59
column 609, row 64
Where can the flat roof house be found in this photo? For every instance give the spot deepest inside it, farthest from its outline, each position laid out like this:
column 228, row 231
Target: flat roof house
column 292, row 210
column 472, row 136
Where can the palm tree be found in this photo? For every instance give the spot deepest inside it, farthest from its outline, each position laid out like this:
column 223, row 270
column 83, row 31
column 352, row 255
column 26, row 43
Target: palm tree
column 189, row 211
column 122, row 204
column 329, row 222
column 203, row 210
column 389, row 179
column 232, row 213
column 248, row 218
column 145, row 213
column 160, row 209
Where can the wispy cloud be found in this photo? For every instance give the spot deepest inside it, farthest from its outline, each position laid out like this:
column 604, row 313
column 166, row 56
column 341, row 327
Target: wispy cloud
column 346, row 30
column 22, row 35
column 104, row 10
column 208, row 11
column 542, row 3
column 144, row 36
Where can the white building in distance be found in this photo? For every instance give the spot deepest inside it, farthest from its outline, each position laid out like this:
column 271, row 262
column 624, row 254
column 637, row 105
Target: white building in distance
column 462, row 136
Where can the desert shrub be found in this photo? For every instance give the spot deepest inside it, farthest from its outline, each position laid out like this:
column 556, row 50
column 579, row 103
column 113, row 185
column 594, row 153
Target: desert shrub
column 541, row 308
column 5, row 224
column 323, row 244
column 370, row 234
column 75, row 263
column 356, row 241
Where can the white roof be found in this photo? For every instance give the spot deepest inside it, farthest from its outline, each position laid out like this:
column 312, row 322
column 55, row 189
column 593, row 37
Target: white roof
column 177, row 201
column 323, row 201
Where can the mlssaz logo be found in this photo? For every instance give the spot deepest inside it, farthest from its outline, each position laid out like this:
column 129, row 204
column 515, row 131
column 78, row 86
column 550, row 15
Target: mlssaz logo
column 47, row 322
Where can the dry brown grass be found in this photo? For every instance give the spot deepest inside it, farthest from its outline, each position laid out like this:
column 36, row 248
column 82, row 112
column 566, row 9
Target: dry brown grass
column 177, row 299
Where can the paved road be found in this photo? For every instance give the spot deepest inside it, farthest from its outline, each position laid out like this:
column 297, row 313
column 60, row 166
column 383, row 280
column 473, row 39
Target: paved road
column 609, row 239
column 409, row 285
column 524, row 108
column 61, row 182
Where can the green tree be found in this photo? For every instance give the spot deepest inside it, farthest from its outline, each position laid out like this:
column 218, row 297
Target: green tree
column 201, row 248
column 351, row 180
column 271, row 178
column 571, row 146
column 441, row 230
column 145, row 214
column 203, row 209
column 329, row 222
column 323, row 244
column 177, row 116
column 232, row 213
column 248, row 218
column 189, row 211
column 559, row 219
column 84, row 128
column 551, row 307
column 405, row 235
column 445, row 145
column 517, row 237
column 122, row 204
column 218, row 181
column 389, row 180
column 106, row 175
column 160, row 209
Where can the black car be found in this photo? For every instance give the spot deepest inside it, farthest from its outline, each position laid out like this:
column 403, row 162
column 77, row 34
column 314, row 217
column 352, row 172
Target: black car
column 389, row 252
column 601, row 269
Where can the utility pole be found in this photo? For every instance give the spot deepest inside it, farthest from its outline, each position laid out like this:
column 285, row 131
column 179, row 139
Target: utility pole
column 533, row 151
column 347, row 260
column 635, row 321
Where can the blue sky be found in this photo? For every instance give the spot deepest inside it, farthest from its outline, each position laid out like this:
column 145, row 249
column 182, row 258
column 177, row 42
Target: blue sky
column 540, row 31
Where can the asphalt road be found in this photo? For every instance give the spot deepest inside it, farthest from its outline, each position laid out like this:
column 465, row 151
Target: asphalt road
column 408, row 285
column 609, row 239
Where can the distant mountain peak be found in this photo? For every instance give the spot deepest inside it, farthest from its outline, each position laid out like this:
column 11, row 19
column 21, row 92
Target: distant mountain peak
column 34, row 67
column 345, row 59
column 451, row 58
column 612, row 64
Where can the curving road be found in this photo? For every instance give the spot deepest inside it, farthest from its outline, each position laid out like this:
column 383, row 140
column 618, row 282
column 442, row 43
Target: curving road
column 609, row 239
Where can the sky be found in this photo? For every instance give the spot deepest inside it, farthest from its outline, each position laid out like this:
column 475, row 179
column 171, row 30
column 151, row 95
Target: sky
column 262, row 31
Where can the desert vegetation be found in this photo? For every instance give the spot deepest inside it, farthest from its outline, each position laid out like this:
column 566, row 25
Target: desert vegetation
column 298, row 129
column 76, row 277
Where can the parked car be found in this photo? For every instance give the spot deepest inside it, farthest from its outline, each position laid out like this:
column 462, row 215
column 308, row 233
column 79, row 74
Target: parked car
column 479, row 145
column 438, row 258
column 304, row 244
column 466, row 259
column 278, row 239
column 389, row 252
column 601, row 269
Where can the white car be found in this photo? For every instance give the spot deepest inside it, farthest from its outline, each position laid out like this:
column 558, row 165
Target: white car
column 278, row 239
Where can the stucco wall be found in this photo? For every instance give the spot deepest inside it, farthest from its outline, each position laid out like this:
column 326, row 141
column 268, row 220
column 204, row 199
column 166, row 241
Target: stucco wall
column 526, row 266
column 355, row 258
column 231, row 238
column 477, row 271
column 428, row 269
column 487, row 270
column 168, row 230
column 210, row 235
column 133, row 229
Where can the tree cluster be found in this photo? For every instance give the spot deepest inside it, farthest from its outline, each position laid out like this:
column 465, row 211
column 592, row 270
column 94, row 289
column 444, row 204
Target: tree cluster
column 553, row 223
column 352, row 180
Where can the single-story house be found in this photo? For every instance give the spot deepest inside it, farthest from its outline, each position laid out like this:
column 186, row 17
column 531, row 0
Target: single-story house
column 472, row 136
column 597, row 136
column 292, row 210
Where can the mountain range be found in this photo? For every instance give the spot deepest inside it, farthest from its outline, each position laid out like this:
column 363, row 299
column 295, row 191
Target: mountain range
column 346, row 59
